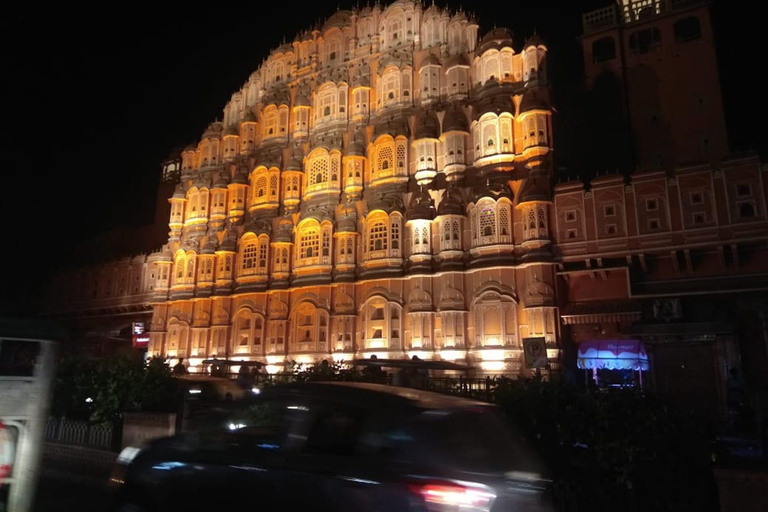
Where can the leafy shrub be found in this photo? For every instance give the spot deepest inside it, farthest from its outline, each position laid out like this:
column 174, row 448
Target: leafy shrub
column 616, row 450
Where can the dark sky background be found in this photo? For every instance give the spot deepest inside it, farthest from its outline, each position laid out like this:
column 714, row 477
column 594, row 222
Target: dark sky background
column 99, row 96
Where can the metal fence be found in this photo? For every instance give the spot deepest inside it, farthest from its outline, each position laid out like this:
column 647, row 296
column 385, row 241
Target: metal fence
column 81, row 433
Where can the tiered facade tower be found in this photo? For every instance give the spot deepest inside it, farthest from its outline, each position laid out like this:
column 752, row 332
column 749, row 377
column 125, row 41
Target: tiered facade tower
column 382, row 185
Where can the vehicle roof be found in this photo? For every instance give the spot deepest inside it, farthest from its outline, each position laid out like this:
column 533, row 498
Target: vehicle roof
column 376, row 394
column 196, row 378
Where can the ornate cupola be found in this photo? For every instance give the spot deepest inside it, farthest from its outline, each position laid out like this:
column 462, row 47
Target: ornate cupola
column 449, row 226
column 454, row 142
column 426, row 137
column 421, row 211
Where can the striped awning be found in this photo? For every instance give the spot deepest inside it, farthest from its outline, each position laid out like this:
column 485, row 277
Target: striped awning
column 601, row 311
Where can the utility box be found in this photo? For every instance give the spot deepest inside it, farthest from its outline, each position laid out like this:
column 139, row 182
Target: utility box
column 27, row 366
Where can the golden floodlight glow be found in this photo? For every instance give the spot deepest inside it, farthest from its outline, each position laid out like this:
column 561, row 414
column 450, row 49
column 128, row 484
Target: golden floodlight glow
column 452, row 355
column 492, row 366
column 492, row 355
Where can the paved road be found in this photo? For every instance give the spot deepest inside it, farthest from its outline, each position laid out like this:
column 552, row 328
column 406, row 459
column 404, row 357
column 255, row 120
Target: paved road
column 60, row 491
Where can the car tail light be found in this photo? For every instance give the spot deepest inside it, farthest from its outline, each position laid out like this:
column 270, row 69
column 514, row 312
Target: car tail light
column 454, row 497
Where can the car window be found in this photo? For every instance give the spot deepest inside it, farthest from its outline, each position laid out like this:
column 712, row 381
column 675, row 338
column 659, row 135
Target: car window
column 471, row 440
column 258, row 425
column 336, row 429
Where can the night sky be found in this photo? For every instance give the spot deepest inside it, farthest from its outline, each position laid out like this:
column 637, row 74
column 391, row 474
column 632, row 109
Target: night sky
column 99, row 96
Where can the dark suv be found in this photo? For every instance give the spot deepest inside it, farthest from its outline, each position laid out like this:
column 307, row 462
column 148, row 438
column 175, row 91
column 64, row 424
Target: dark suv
column 341, row 447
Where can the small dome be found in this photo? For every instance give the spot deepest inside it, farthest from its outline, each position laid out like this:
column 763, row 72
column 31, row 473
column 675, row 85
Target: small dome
column 166, row 255
column 347, row 222
column 249, row 117
column 213, row 131
column 284, row 231
column 393, row 126
column 430, row 60
column 294, row 164
column 190, row 147
column 431, row 11
column 178, row 192
column 361, row 80
column 536, row 187
column 427, row 126
column 356, row 144
column 497, row 38
column 302, row 97
column 220, row 181
column 534, row 100
column 337, row 19
column 493, row 189
column 210, row 245
column 203, row 182
column 240, row 177
column 421, row 206
column 456, row 60
column 231, row 130
column 534, row 41
column 455, row 120
column 451, row 203
column 229, row 243
column 459, row 16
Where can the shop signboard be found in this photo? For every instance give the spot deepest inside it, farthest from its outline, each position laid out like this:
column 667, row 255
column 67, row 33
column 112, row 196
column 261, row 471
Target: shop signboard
column 140, row 335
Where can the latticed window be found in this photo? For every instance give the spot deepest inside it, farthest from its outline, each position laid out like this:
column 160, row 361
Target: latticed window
column 473, row 217
column 378, row 237
column 384, row 158
column 250, row 252
column 273, row 185
column 350, row 247
column 310, row 244
column 261, row 186
column 209, row 268
column 190, row 267
column 447, row 230
column 531, row 219
column 416, row 236
column 263, row 255
column 489, row 135
column 326, row 243
column 456, row 230
column 319, row 171
column 401, row 156
column 487, row 221
column 395, row 234
column 506, row 134
column 335, row 168
column 503, row 221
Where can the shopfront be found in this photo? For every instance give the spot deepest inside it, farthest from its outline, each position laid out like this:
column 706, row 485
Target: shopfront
column 613, row 363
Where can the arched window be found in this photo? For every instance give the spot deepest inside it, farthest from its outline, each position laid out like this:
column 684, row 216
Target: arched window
column 249, row 256
column 263, row 254
column 378, row 236
column 496, row 320
column 261, row 186
column 487, row 221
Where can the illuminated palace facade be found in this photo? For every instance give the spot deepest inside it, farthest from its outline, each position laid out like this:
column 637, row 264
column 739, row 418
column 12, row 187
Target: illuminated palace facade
column 379, row 186
column 384, row 186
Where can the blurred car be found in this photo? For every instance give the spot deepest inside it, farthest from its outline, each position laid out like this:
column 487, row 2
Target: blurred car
column 207, row 388
column 341, row 446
